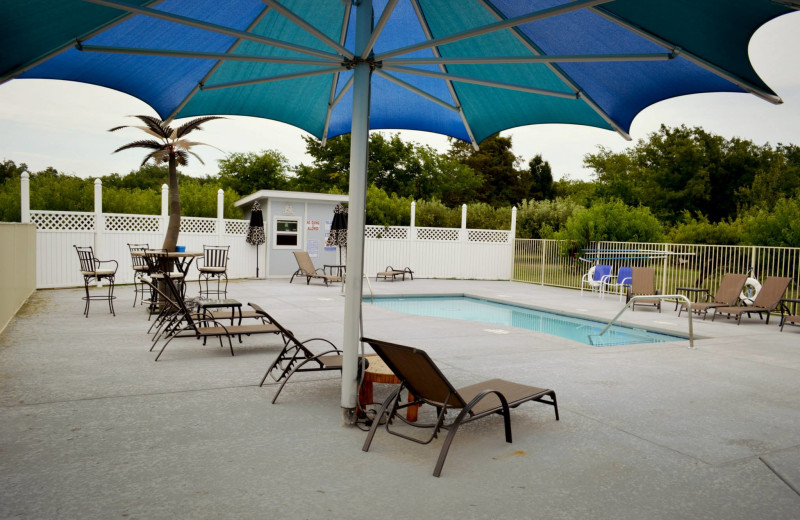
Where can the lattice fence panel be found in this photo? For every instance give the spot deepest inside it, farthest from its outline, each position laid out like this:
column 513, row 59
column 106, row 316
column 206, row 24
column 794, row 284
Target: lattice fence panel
column 397, row 232
column 437, row 234
column 490, row 236
column 57, row 221
column 134, row 223
column 198, row 225
column 236, row 227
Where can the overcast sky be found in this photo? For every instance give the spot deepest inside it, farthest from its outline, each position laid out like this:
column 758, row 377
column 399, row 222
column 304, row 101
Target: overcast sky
column 64, row 125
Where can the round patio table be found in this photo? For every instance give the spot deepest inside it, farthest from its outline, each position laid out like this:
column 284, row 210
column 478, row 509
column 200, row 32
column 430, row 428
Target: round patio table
column 378, row 372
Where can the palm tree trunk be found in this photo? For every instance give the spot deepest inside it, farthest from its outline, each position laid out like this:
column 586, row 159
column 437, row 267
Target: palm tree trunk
column 174, row 226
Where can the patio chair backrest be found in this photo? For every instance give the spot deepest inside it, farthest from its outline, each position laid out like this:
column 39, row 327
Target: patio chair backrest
column 418, row 372
column 624, row 275
column 643, row 280
column 86, row 259
column 304, row 263
column 138, row 260
column 215, row 256
column 600, row 272
column 772, row 291
column 730, row 288
column 286, row 333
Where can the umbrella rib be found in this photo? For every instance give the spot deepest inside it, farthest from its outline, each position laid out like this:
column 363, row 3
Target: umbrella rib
column 66, row 46
column 484, row 82
column 309, row 28
column 415, row 90
column 223, row 56
column 378, row 29
column 216, row 66
column 331, row 100
column 435, row 50
column 497, row 26
column 549, row 58
column 697, row 60
column 282, row 77
column 191, row 22
column 560, row 74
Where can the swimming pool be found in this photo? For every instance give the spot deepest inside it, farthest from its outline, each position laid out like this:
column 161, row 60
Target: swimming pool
column 476, row 309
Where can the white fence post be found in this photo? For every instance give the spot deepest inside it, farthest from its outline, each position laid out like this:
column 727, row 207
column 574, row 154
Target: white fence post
column 162, row 228
column 25, row 197
column 220, row 212
column 99, row 220
column 412, row 230
column 463, row 236
column 511, row 239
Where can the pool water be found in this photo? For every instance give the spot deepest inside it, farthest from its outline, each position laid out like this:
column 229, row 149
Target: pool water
column 474, row 309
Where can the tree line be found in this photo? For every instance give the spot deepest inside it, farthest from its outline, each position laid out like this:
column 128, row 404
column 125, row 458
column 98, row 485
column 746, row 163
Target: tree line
column 679, row 184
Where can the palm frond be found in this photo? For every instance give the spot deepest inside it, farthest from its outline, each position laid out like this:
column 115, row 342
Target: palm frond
column 157, row 157
column 183, row 144
column 150, row 144
column 149, row 131
column 181, row 157
column 194, row 124
column 118, row 128
column 156, row 125
column 196, row 157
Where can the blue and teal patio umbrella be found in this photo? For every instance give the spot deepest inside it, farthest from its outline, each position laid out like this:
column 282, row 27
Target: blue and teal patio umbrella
column 464, row 68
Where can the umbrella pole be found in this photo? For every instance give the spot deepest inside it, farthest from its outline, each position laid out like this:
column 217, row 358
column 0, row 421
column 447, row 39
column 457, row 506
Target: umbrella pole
column 359, row 143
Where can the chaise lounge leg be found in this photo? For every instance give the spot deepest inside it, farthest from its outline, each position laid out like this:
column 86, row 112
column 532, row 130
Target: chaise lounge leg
column 376, row 422
column 506, row 413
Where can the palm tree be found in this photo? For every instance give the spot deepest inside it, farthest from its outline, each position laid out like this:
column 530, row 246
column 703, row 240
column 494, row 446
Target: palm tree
column 168, row 147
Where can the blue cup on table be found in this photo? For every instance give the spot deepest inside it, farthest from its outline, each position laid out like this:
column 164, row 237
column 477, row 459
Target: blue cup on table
column 180, row 249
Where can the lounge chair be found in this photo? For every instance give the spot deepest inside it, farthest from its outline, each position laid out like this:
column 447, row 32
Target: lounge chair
column 187, row 324
column 306, row 268
column 596, row 277
column 621, row 283
column 643, row 283
column 296, row 355
column 767, row 300
column 421, row 377
column 394, row 273
column 726, row 296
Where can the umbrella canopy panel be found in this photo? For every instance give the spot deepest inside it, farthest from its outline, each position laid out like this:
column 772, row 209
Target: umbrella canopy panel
column 588, row 62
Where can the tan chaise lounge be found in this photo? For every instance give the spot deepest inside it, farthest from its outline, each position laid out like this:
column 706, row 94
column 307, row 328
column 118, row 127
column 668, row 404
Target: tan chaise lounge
column 767, row 300
column 421, row 377
column 307, row 269
column 187, row 324
column 394, row 273
column 726, row 296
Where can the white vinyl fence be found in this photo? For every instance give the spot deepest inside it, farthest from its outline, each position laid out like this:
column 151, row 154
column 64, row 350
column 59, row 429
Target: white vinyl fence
column 440, row 252
column 58, row 231
column 430, row 252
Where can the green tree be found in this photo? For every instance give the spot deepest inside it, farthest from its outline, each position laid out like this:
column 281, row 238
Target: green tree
column 247, row 173
column 446, row 179
column 701, row 231
column 542, row 218
column 778, row 226
column 540, row 177
column 613, row 221
column 9, row 170
column 171, row 148
column 496, row 163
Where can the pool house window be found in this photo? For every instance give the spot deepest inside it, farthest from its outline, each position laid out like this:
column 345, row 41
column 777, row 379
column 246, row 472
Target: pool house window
column 286, row 233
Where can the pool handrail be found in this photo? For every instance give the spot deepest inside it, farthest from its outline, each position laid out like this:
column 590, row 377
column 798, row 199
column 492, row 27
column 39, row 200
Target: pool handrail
column 660, row 297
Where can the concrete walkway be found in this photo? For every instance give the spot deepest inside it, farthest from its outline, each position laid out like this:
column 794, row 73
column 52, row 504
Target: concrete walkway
column 91, row 427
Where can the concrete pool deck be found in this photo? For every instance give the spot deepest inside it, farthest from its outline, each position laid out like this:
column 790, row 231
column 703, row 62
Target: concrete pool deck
column 93, row 428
